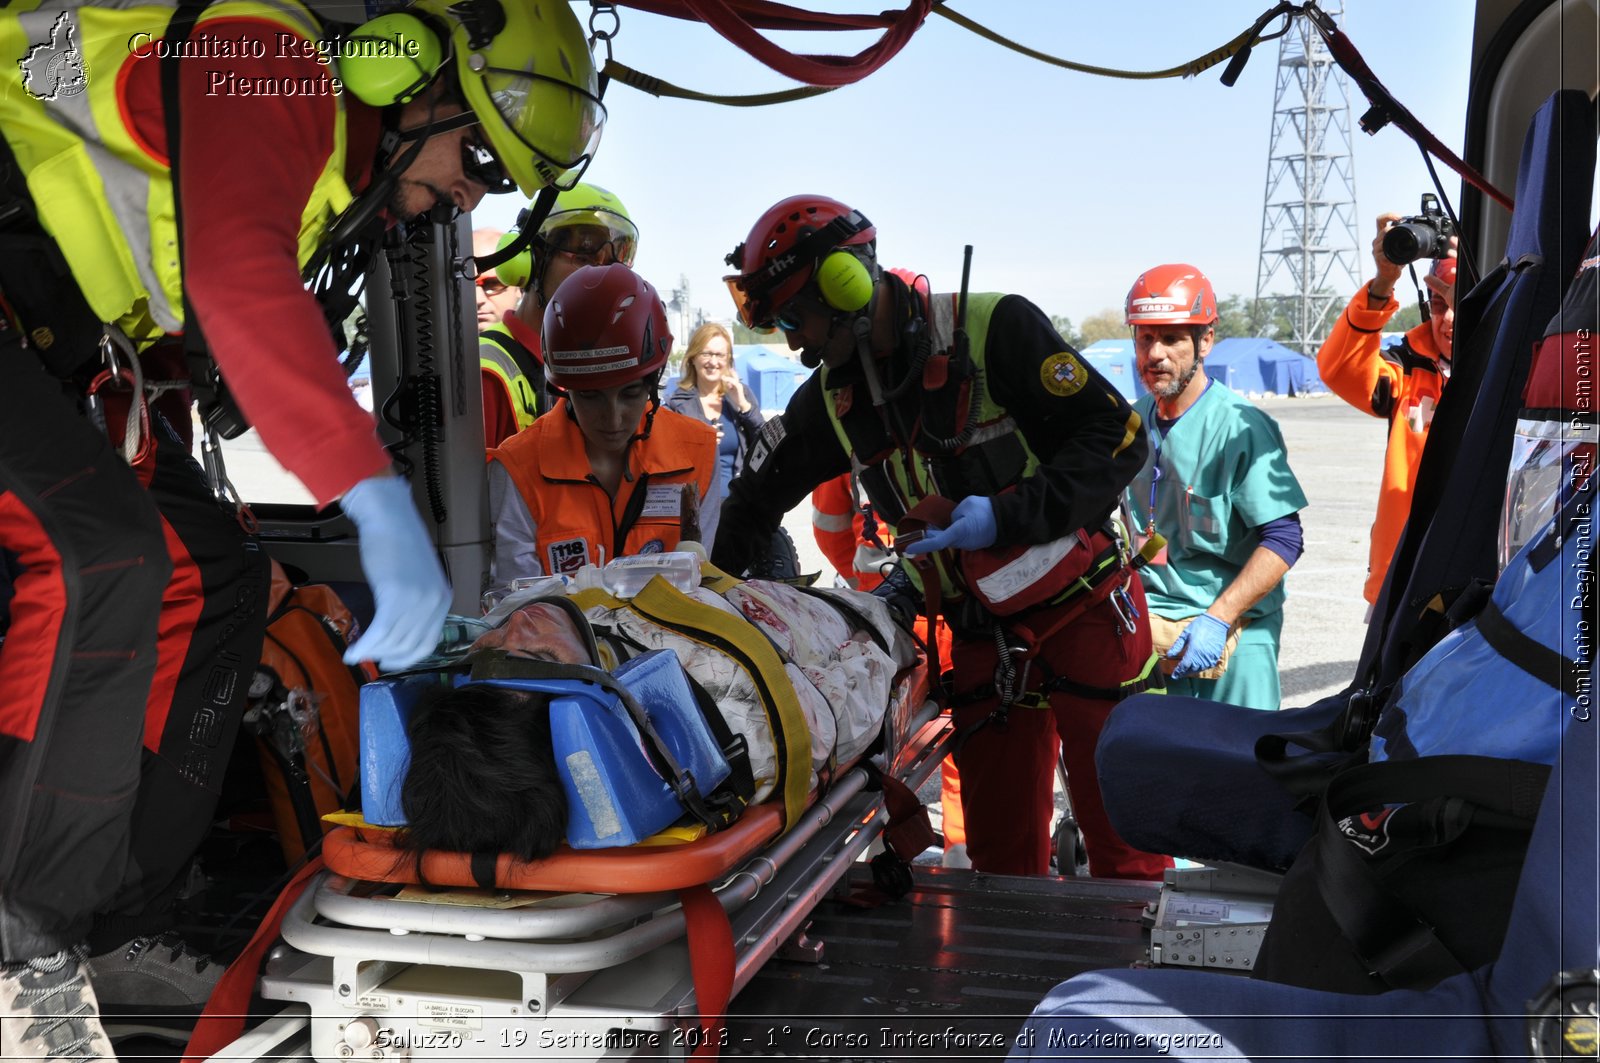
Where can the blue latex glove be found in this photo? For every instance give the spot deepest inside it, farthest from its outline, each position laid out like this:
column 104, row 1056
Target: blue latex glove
column 971, row 528
column 1200, row 645
column 403, row 571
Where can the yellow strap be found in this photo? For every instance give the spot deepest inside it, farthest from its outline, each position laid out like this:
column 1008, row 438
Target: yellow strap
column 1189, row 69
column 1144, row 673
column 1152, row 546
column 715, row 579
column 662, row 602
column 657, row 87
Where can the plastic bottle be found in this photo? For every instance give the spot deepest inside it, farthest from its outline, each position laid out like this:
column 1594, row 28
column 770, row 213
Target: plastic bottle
column 626, row 576
column 503, row 601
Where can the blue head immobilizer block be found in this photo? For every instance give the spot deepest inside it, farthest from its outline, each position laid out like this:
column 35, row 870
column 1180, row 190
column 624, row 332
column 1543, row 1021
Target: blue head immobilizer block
column 615, row 795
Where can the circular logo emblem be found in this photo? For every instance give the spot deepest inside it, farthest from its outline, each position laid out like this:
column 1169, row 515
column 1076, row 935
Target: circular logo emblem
column 654, row 546
column 1062, row 374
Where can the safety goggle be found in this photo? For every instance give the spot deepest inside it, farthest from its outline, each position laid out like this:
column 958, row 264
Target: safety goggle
column 753, row 313
column 591, row 245
column 490, row 284
column 520, row 96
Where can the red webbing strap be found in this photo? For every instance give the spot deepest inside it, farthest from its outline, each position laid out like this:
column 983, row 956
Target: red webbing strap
column 732, row 19
column 767, row 15
column 1345, row 54
column 223, row 1019
column 710, row 964
column 932, row 601
column 909, row 832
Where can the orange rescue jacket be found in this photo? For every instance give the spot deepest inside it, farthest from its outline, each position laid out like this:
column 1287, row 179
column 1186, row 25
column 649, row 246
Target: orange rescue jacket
column 574, row 521
column 1402, row 385
column 839, row 527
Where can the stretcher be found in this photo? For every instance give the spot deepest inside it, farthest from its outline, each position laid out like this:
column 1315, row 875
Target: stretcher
column 586, row 955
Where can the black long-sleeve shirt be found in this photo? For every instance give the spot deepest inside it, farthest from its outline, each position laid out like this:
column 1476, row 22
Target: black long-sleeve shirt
column 1084, row 433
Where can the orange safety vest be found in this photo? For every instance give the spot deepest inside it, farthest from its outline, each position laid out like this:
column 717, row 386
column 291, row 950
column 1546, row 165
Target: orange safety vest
column 1405, row 391
column 839, row 527
column 575, row 523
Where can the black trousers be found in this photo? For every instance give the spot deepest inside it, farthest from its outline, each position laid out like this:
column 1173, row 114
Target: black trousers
column 136, row 622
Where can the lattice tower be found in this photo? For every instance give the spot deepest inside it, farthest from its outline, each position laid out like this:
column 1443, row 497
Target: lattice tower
column 1309, row 248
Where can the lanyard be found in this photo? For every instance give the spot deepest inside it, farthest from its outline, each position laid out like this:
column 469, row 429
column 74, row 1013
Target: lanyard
column 1155, row 464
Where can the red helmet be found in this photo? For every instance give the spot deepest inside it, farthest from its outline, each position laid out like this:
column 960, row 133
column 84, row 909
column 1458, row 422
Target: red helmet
column 605, row 326
column 1174, row 294
column 781, row 253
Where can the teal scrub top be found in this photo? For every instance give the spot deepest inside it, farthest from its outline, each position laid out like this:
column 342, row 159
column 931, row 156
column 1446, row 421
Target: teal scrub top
column 1224, row 473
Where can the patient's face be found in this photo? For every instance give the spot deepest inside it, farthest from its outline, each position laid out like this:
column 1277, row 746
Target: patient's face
column 540, row 631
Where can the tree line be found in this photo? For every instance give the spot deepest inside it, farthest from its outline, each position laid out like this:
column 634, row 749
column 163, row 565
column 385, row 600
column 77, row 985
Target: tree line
column 1236, row 316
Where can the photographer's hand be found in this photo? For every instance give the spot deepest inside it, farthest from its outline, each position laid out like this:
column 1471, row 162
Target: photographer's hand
column 1437, row 284
column 1387, row 273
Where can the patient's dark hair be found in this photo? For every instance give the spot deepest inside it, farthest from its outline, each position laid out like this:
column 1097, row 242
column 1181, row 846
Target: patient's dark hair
column 483, row 774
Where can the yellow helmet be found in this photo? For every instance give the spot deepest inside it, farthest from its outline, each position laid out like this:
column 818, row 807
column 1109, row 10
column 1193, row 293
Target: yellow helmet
column 525, row 70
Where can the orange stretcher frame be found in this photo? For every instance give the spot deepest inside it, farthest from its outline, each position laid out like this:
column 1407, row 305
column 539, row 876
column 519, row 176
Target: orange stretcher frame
column 372, row 856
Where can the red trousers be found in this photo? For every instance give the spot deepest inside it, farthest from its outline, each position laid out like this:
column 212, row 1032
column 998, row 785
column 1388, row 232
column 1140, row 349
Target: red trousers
column 1008, row 769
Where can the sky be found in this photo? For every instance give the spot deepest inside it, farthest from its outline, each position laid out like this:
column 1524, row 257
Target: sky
column 1067, row 185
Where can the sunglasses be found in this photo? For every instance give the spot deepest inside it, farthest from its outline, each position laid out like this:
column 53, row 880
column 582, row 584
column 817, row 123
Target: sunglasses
column 490, row 284
column 792, row 315
column 480, row 165
column 589, row 248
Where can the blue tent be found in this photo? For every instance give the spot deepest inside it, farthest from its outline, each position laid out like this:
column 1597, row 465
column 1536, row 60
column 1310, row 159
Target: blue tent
column 1114, row 360
column 772, row 376
column 1260, row 366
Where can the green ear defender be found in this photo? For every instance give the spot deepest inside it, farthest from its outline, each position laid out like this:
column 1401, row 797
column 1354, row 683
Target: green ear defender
column 389, row 59
column 844, row 281
column 516, row 270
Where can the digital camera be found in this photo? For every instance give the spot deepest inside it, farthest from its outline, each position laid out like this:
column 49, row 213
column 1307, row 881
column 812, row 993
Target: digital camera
column 1427, row 235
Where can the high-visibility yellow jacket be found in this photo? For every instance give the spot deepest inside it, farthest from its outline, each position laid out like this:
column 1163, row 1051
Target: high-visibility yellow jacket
column 82, row 111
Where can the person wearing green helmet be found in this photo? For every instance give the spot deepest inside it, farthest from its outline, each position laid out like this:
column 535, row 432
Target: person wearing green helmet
column 147, row 199
column 587, row 226
column 508, row 369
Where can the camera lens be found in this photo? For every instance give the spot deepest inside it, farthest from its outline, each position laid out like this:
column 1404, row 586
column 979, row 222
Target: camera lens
column 1412, row 239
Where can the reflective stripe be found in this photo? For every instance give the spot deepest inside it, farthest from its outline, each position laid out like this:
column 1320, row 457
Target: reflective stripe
column 832, row 522
column 1005, row 426
column 871, row 559
column 495, row 359
column 1130, row 432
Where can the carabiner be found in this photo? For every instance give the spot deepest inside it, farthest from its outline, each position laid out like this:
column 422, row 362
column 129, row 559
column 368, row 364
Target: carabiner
column 600, row 9
column 1127, row 612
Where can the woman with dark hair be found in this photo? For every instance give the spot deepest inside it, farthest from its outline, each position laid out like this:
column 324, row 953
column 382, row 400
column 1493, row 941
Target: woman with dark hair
column 457, row 798
column 607, row 472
